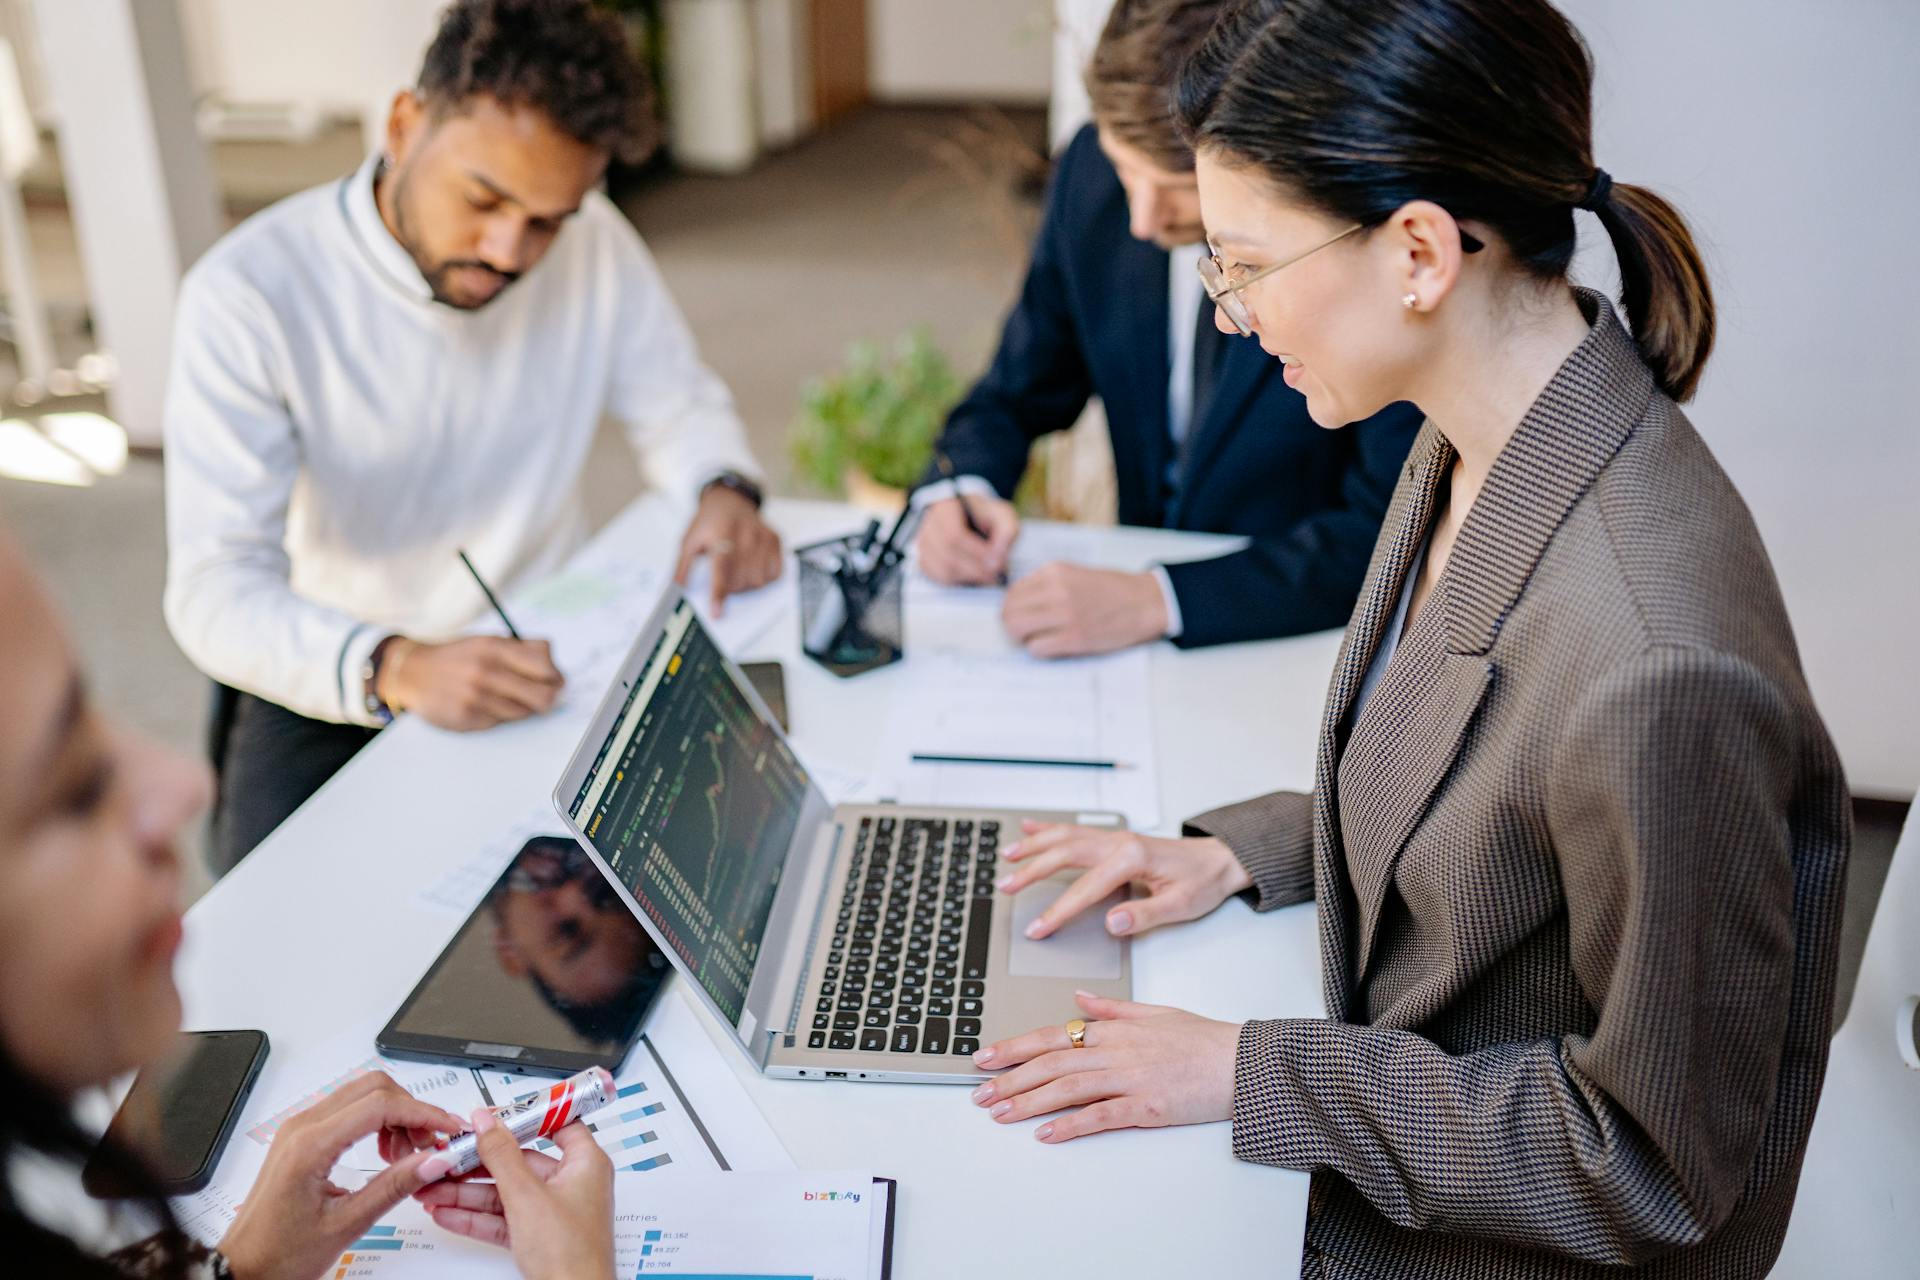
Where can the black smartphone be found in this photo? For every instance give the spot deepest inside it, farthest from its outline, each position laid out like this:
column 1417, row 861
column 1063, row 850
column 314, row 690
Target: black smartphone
column 180, row 1112
column 551, row 973
column 769, row 680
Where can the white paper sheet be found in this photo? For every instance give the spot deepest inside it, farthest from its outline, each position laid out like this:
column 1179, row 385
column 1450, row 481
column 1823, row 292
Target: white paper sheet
column 818, row 1225
column 592, row 612
column 779, row 1223
column 1009, row 705
column 459, row 889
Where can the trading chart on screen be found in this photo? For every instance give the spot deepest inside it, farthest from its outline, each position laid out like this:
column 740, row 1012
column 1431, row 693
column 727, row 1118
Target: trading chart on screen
column 693, row 803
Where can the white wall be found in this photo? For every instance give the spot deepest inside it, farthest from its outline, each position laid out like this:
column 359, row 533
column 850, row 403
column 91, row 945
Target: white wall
column 959, row 50
column 1785, row 131
column 1076, row 30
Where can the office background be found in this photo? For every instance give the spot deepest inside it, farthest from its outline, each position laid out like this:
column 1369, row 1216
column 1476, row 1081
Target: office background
column 856, row 169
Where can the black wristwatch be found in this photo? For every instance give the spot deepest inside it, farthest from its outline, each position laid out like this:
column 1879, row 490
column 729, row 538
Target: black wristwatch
column 739, row 484
column 370, row 676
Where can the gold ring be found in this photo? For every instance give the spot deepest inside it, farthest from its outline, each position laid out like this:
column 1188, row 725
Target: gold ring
column 1077, row 1034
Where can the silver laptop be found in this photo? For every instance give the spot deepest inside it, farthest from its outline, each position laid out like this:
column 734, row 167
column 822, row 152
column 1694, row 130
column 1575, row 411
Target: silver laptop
column 857, row 942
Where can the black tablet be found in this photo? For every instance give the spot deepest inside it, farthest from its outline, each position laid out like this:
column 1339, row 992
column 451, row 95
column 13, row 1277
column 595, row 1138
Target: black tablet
column 551, row 973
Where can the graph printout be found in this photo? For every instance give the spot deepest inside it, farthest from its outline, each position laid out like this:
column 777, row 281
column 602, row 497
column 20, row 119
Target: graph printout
column 679, row 1113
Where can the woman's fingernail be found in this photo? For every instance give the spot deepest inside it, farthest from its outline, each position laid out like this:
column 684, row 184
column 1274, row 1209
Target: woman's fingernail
column 1119, row 921
column 1002, row 883
column 983, row 1057
column 483, row 1120
column 984, row 1092
column 1044, row 1132
column 1086, row 995
column 1036, row 929
column 434, row 1168
column 1000, row 1109
column 1012, row 850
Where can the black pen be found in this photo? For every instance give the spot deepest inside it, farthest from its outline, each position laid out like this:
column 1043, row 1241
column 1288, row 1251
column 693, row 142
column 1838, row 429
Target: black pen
column 488, row 593
column 928, row 757
column 892, row 549
column 945, row 464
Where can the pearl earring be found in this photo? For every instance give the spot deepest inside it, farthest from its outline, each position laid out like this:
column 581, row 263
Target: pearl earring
column 1410, row 301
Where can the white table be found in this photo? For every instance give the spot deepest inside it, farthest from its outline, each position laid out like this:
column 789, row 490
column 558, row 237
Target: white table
column 315, row 936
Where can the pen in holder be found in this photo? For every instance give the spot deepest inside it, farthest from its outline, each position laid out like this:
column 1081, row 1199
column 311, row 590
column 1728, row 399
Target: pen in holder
column 850, row 603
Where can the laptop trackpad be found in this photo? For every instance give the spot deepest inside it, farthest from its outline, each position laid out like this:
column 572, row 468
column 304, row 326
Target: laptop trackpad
column 1081, row 948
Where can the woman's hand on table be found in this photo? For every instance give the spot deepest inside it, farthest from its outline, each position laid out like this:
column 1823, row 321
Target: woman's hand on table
column 555, row 1215
column 1181, row 879
column 296, row 1221
column 1143, row 1066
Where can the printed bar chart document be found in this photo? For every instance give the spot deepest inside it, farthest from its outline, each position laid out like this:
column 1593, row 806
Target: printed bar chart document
column 680, row 1113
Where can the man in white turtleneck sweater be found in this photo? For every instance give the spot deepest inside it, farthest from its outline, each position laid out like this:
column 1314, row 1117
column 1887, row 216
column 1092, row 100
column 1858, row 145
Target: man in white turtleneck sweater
column 414, row 360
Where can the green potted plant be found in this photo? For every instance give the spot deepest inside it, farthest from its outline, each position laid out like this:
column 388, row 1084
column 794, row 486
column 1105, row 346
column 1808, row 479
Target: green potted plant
column 867, row 431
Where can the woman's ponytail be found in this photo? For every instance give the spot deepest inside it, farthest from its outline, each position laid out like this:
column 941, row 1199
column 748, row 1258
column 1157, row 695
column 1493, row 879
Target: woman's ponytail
column 1663, row 286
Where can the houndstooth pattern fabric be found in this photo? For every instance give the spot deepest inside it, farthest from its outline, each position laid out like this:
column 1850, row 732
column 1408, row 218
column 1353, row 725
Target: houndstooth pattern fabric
column 1579, row 863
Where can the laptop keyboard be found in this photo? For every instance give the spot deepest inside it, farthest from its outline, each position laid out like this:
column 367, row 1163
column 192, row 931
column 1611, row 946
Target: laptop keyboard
column 907, row 971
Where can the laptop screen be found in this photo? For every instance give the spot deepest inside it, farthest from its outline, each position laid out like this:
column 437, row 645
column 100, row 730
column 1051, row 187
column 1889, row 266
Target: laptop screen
column 692, row 801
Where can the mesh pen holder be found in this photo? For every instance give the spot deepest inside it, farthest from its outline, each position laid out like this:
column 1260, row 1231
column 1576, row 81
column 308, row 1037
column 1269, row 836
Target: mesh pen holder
column 850, row 620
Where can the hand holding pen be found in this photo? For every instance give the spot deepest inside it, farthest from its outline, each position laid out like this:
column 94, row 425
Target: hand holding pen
column 967, row 540
column 474, row 682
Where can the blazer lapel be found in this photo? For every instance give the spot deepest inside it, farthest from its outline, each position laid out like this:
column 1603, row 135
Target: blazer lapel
column 1416, row 722
column 1573, row 429
column 1408, row 737
column 1244, row 367
column 1401, row 534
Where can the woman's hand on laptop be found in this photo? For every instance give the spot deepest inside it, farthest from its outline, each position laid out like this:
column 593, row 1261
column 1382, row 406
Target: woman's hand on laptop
column 1142, row 1066
column 473, row 683
column 1182, row 879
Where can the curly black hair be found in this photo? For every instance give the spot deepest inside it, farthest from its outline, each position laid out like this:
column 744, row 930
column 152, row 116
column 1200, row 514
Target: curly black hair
column 564, row 58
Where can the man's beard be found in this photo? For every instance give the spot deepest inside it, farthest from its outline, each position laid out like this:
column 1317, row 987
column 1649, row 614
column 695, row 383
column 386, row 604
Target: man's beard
column 436, row 273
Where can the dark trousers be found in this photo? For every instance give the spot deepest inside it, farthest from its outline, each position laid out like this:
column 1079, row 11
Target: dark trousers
column 268, row 761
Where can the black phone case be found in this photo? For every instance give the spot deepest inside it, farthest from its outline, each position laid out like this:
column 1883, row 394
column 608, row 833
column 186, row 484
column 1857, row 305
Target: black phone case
column 98, row 1183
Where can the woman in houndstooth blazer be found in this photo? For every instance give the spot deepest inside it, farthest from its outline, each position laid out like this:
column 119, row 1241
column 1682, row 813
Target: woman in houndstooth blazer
column 1577, row 837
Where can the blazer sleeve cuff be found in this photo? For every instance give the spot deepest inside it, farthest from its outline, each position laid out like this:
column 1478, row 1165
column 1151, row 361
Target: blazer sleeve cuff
column 1270, row 1120
column 1272, row 836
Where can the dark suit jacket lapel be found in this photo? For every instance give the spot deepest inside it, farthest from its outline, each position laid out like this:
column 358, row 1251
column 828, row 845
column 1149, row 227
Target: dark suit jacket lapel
column 1401, row 534
column 1144, row 335
column 1244, row 369
column 1417, row 719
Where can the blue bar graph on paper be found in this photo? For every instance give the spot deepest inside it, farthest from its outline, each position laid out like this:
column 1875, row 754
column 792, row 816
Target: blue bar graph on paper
column 372, row 1244
column 381, row 1230
column 639, row 1139
column 664, row 1158
column 639, row 1086
column 651, row 1237
column 626, row 1117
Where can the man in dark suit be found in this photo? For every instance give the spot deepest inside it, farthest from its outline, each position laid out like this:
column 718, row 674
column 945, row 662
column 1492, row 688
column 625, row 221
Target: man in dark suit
column 1206, row 433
